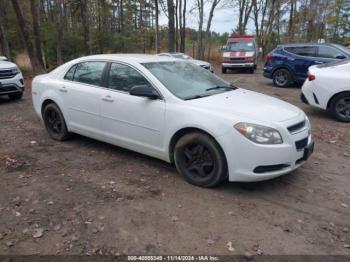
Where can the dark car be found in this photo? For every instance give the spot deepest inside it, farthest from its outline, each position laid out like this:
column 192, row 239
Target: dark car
column 289, row 63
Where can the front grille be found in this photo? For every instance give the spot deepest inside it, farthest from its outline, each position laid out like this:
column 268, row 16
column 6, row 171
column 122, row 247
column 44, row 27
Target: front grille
column 297, row 127
column 5, row 89
column 301, row 144
column 6, row 74
column 237, row 59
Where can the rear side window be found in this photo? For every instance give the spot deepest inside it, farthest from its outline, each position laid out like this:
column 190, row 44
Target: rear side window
column 70, row 74
column 328, row 52
column 89, row 73
column 302, row 50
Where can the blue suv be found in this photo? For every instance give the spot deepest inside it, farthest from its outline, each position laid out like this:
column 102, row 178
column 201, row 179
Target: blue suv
column 289, row 63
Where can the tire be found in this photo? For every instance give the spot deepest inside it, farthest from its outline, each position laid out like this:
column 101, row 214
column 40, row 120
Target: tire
column 281, row 77
column 200, row 160
column 55, row 123
column 251, row 70
column 340, row 107
column 16, row 96
column 223, row 70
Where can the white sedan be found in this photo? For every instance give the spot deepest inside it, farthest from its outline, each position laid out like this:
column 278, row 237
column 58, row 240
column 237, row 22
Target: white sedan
column 328, row 87
column 175, row 111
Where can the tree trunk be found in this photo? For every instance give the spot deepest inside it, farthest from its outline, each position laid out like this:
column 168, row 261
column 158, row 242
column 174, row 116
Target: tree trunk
column 176, row 26
column 60, row 28
column 36, row 65
column 171, row 24
column 86, row 25
column 34, row 7
column 4, row 43
column 157, row 26
column 211, row 15
column 200, row 29
column 183, row 31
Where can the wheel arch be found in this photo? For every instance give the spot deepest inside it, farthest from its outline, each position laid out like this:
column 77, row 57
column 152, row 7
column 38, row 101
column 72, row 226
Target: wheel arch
column 45, row 103
column 334, row 96
column 184, row 131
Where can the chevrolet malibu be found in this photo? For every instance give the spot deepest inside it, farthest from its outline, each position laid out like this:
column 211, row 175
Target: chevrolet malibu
column 175, row 111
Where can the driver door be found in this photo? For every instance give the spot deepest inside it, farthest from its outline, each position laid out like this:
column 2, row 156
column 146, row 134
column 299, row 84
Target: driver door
column 130, row 121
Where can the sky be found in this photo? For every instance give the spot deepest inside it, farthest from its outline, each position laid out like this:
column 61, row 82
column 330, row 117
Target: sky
column 225, row 18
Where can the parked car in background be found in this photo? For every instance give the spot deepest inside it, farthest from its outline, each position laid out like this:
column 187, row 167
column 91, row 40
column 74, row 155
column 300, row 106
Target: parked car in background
column 11, row 80
column 183, row 56
column 174, row 110
column 240, row 51
column 3, row 58
column 328, row 87
column 289, row 63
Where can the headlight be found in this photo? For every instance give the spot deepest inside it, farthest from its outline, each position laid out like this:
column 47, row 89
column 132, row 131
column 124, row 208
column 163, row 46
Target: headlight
column 259, row 134
column 308, row 124
column 15, row 71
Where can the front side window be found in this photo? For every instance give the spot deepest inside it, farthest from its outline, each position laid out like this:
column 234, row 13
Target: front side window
column 328, row 52
column 186, row 80
column 123, row 78
column 89, row 73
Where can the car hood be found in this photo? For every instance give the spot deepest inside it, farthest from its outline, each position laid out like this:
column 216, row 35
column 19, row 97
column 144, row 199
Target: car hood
column 199, row 62
column 7, row 65
column 248, row 104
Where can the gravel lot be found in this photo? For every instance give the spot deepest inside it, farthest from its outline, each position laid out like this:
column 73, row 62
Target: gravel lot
column 87, row 197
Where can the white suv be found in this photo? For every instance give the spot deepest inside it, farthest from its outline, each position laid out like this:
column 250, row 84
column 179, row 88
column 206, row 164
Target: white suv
column 11, row 80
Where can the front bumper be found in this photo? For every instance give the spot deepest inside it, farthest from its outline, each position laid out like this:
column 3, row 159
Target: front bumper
column 12, row 85
column 249, row 162
column 238, row 65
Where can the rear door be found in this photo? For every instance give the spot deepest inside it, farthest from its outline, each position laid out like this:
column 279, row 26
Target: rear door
column 82, row 92
column 305, row 56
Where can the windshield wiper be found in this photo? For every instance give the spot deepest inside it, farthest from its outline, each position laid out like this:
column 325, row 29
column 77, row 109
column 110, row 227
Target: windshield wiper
column 221, row 87
column 195, row 97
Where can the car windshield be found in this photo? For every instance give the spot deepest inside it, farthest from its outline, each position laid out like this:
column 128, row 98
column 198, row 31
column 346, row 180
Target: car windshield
column 240, row 47
column 186, row 80
column 182, row 56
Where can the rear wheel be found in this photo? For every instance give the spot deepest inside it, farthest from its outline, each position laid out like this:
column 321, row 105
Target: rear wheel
column 16, row 96
column 340, row 107
column 200, row 160
column 223, row 70
column 55, row 123
column 281, row 77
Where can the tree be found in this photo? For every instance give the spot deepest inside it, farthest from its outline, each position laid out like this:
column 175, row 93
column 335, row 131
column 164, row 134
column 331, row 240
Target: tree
column 157, row 40
column 34, row 7
column 244, row 8
column 171, row 25
column 36, row 65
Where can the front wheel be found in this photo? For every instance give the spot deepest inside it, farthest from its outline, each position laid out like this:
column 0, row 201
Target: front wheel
column 200, row 160
column 340, row 107
column 55, row 123
column 223, row 70
column 281, row 77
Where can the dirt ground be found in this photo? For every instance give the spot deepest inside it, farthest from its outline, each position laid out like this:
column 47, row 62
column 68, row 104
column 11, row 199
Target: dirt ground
column 87, row 197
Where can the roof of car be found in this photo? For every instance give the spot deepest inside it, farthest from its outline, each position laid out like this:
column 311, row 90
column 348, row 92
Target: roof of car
column 305, row 44
column 138, row 58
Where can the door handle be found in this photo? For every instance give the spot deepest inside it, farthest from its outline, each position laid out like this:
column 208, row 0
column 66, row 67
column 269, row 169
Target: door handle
column 108, row 99
column 63, row 89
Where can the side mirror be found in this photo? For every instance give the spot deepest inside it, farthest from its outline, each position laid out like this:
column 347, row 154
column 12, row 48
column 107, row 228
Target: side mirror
column 144, row 91
column 340, row 56
column 223, row 48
